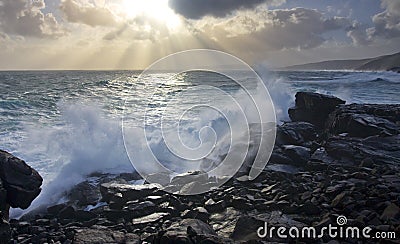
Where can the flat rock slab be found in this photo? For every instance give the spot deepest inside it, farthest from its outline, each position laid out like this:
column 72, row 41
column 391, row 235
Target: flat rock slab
column 103, row 235
column 127, row 191
column 149, row 218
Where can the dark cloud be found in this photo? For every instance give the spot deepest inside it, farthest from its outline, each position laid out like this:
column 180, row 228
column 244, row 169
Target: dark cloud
column 196, row 9
column 386, row 23
column 25, row 18
column 298, row 28
column 87, row 14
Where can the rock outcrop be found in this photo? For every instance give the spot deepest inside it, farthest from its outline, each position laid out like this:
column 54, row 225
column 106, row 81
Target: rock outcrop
column 21, row 182
column 19, row 186
column 363, row 120
column 313, row 107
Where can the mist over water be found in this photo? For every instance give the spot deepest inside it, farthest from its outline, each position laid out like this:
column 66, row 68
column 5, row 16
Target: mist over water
column 67, row 124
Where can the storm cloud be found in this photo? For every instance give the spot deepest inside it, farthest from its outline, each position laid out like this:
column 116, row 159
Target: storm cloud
column 196, row 9
column 297, row 28
column 387, row 23
column 87, row 14
column 25, row 18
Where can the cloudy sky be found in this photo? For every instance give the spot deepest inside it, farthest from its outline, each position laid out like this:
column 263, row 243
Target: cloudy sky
column 131, row 34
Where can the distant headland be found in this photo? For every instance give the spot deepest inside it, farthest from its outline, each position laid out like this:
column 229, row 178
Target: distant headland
column 381, row 63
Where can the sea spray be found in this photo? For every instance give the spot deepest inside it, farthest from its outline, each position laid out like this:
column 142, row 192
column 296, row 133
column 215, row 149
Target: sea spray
column 85, row 142
column 281, row 93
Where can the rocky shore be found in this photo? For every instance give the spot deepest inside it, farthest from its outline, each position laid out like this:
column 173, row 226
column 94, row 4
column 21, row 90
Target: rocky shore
column 331, row 160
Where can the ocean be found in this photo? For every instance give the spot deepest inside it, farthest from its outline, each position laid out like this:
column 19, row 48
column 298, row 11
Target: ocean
column 68, row 124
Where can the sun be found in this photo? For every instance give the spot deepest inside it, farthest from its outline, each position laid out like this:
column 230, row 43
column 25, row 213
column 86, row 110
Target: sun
column 157, row 9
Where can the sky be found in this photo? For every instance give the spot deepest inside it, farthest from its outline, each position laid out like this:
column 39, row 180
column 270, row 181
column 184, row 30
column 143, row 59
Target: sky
column 132, row 34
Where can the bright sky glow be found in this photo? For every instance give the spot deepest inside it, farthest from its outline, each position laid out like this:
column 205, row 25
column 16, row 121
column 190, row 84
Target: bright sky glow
column 157, row 9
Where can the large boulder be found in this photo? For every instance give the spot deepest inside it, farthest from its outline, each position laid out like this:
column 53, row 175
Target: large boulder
column 84, row 194
column 114, row 191
column 313, row 107
column 352, row 151
column 296, row 133
column 20, row 180
column 363, row 120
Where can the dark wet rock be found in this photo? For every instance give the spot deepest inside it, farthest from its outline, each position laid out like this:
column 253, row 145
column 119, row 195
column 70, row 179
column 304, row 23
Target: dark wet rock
column 20, row 180
column 82, row 215
column 151, row 218
column 84, row 194
column 128, row 192
column 154, row 199
column 269, row 188
column 383, row 150
column 367, row 162
column 309, row 208
column 3, row 202
column 103, row 235
column 291, row 169
column 214, row 207
column 196, row 176
column 55, row 209
column 279, row 157
column 298, row 154
column 130, row 176
column 246, row 228
column 313, row 108
column 193, row 188
column 114, row 215
column 67, row 213
column 392, row 211
column 190, row 231
column 320, row 155
column 196, row 213
column 5, row 231
column 363, row 120
column 224, row 222
column 240, row 203
column 159, row 178
column 338, row 200
column 296, row 133
column 140, row 209
column 42, row 221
